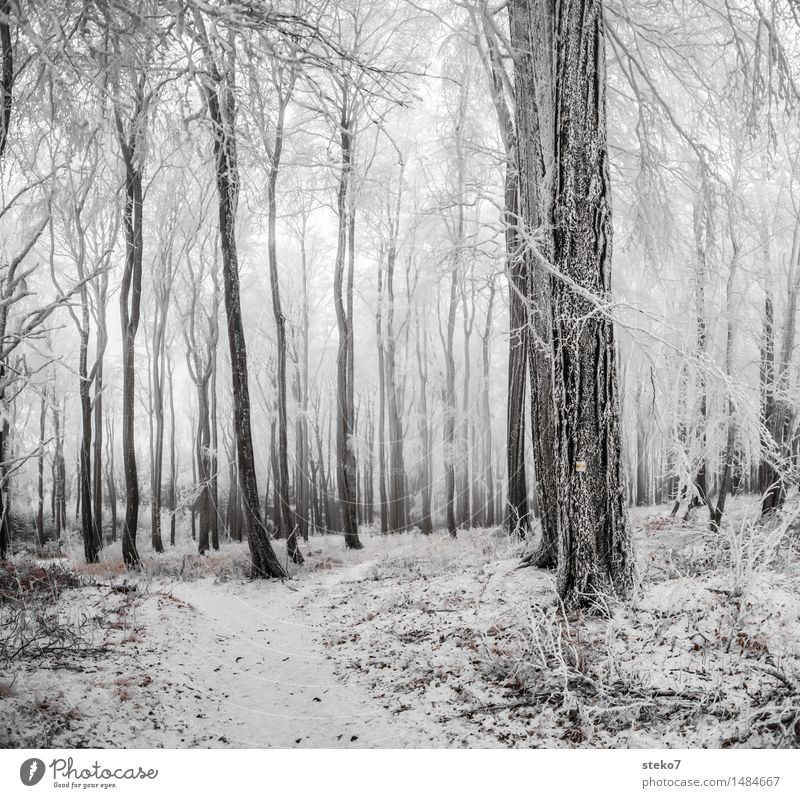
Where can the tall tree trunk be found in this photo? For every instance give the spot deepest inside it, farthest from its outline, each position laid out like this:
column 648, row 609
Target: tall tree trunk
column 449, row 427
column 532, row 38
column 222, row 111
column 6, row 101
column 91, row 545
column 382, row 488
column 594, row 537
column 426, row 524
column 111, row 479
column 173, row 503
column 130, row 303
column 281, row 475
column 726, row 475
column 464, row 503
column 100, row 346
column 345, row 455
column 157, row 386
column 486, row 421
column 397, row 499
column 59, row 469
column 702, row 230
column 40, row 469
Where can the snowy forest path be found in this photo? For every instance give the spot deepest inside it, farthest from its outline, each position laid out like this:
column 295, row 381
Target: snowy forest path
column 245, row 665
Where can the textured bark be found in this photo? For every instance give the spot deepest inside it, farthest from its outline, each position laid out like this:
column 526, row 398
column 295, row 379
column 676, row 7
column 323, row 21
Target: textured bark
column 594, row 538
column 6, row 102
column 532, row 37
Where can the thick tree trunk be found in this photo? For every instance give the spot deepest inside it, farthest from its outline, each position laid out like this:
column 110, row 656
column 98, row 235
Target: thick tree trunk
column 594, row 539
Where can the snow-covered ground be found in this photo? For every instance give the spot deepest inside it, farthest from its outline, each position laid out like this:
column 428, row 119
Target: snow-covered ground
column 424, row 642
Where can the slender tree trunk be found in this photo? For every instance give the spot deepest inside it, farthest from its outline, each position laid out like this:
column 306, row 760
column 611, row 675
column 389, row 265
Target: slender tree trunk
column 40, row 469
column 173, row 503
column 397, row 482
column 130, row 302
column 382, row 488
column 726, row 476
column 91, row 545
column 532, row 40
column 486, row 434
column 100, row 346
column 449, row 397
column 157, row 387
column 111, row 479
column 281, row 475
column 222, row 111
column 426, row 524
column 345, row 456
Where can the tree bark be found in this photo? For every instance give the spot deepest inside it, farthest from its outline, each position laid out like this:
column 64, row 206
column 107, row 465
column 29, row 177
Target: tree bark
column 130, row 304
column 286, row 515
column 594, row 539
column 345, row 455
column 222, row 112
